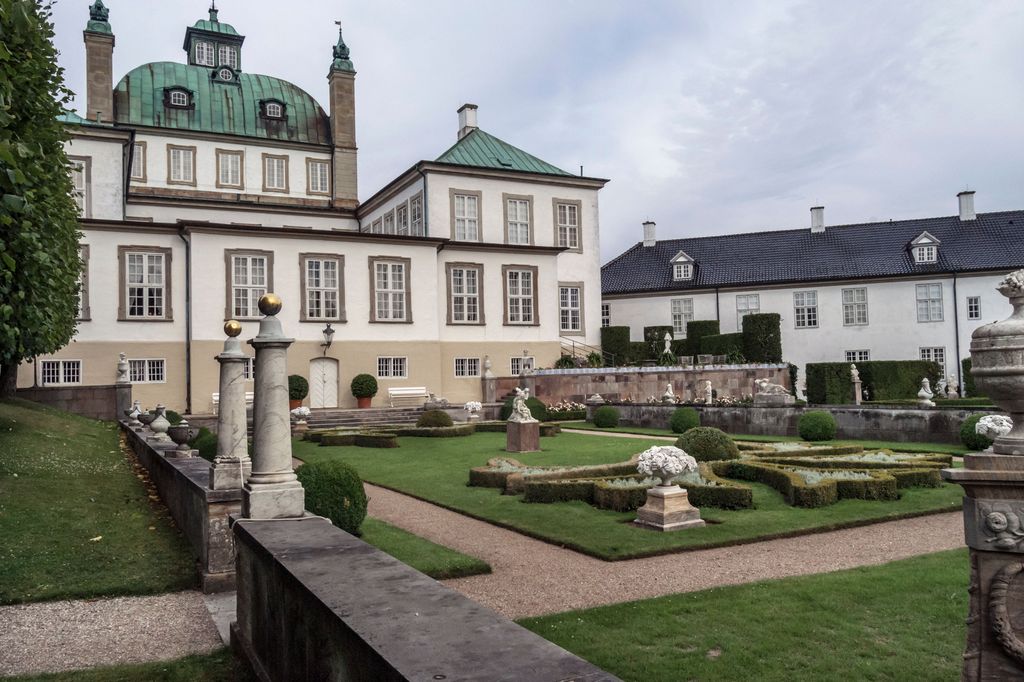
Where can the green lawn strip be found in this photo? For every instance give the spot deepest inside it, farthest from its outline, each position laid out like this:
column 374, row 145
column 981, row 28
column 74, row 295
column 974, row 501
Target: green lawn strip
column 436, row 470
column 943, row 448
column 220, row 666
column 437, row 561
column 75, row 519
column 898, row 621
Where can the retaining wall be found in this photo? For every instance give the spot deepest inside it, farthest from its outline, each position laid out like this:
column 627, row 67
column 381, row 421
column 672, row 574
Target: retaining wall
column 95, row 402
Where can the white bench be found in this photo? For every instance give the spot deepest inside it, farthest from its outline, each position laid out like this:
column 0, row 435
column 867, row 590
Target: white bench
column 250, row 397
column 415, row 395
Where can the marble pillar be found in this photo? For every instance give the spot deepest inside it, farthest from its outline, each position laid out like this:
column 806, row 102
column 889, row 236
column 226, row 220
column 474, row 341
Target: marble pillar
column 272, row 491
column 232, row 466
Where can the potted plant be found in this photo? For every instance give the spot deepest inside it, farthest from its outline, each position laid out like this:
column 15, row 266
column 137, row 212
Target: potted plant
column 364, row 387
column 298, row 389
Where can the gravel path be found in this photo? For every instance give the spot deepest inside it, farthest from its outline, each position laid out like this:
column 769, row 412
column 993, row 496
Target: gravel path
column 615, row 434
column 70, row 635
column 533, row 578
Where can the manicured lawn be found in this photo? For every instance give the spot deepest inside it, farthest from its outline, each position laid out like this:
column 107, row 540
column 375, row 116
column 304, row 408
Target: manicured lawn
column 943, row 448
column 898, row 621
column 74, row 518
column 219, row 666
column 437, row 469
column 425, row 556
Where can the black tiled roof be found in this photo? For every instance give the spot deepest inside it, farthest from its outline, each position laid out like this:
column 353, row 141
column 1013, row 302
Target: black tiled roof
column 994, row 241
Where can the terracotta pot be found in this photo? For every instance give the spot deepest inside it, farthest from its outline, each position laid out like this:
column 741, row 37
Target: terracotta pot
column 363, row 403
column 292, row 404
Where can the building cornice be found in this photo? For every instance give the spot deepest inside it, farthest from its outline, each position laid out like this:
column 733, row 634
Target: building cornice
column 156, row 197
column 235, row 139
column 520, row 176
column 100, row 133
column 450, row 245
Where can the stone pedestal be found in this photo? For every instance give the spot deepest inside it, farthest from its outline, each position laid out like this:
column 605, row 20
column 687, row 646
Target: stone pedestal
column 774, row 400
column 123, row 398
column 668, row 508
column 858, row 393
column 232, row 466
column 522, row 436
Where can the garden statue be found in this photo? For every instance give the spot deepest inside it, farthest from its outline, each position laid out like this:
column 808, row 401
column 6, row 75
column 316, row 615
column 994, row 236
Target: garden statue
column 668, row 506
column 993, row 426
column 858, row 395
column 709, row 393
column 765, row 387
column 772, row 395
column 122, row 368
column 925, row 395
column 522, row 431
column 520, row 410
column 951, row 387
column 854, row 373
column 668, row 396
column 596, row 399
column 473, row 408
column 940, row 387
column 487, row 367
column 668, row 344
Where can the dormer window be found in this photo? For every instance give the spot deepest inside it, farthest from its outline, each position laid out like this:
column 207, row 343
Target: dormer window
column 228, row 56
column 226, row 75
column 204, row 53
column 179, row 98
column 682, row 267
column 272, row 109
column 925, row 249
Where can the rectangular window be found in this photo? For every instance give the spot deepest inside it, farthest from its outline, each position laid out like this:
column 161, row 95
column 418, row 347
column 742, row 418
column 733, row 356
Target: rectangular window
column 570, row 301
column 390, row 291
column 79, row 186
column 249, row 369
column 204, row 53
column 518, row 364
column 974, row 307
column 318, row 177
column 937, row 355
column 567, row 222
column 855, row 307
column 322, row 282
column 464, row 291
column 467, row 367
column 389, row 222
column 858, row 355
column 229, row 169
column 377, row 226
column 181, row 165
column 606, row 315
column 517, row 220
column 682, row 271
column 682, row 312
column 925, row 254
column 929, row 302
column 391, row 368
column 519, row 296
column 275, row 173
column 228, row 56
column 466, row 211
column 402, row 219
column 58, row 372
column 416, row 216
column 145, row 285
column 249, row 281
column 746, row 304
column 805, row 308
column 139, row 161
column 146, row 371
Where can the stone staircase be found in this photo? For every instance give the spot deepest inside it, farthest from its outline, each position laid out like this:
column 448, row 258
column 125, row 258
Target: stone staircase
column 368, row 418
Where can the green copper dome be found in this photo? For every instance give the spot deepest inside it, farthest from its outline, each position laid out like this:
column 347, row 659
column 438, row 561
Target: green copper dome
column 219, row 108
column 215, row 27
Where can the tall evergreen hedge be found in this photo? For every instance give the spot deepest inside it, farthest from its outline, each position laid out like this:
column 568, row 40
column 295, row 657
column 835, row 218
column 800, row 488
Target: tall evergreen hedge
column 654, row 337
column 762, row 337
column 970, row 388
column 828, row 383
column 722, row 344
column 615, row 340
column 695, row 331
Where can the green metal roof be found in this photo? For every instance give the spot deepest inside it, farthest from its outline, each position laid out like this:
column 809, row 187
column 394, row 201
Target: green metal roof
column 224, row 108
column 72, row 118
column 215, row 27
column 482, row 150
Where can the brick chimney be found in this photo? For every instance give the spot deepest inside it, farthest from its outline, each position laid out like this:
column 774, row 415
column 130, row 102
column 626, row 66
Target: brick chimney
column 99, row 65
column 342, row 82
column 817, row 219
column 966, row 199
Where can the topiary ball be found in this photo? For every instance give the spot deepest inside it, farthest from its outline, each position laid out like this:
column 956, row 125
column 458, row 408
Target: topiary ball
column 334, row 490
column 971, row 439
column 433, row 419
column 707, row 444
column 684, row 419
column 538, row 409
column 606, row 417
column 817, row 425
column 205, row 442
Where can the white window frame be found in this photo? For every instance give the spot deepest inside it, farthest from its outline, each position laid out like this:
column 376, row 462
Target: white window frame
column 146, row 285
column 271, row 172
column 568, row 217
column 390, row 300
column 178, row 98
column 147, row 370
column 79, row 169
column 205, row 53
column 320, row 292
column 518, row 304
column 859, row 355
column 318, row 176
column 466, row 303
column 682, row 271
column 138, row 162
column 570, row 312
column 681, row 310
column 416, row 216
column 181, row 165
column 253, row 289
column 805, row 309
column 515, row 363
column 234, row 175
column 606, row 315
column 746, row 304
column 249, row 369
column 389, row 222
column 64, row 368
column 402, row 219
column 273, row 110
column 467, row 368
column 929, row 302
column 926, row 253
column 855, row 310
column 974, row 307
column 517, row 226
column 466, row 210
column 935, row 354
column 232, row 56
column 392, row 367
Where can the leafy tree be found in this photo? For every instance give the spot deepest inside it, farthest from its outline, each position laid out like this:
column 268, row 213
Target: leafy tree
column 39, row 262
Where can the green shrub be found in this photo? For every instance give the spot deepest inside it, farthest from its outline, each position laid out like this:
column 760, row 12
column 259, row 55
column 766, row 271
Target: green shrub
column 298, row 387
column 817, row 425
column 683, row 419
column 762, row 337
column 363, row 386
column 970, row 388
column 538, row 409
column 707, row 444
column 334, row 490
column 172, row 416
column 375, row 440
column 595, row 359
column 794, row 373
column 615, row 341
column 606, row 417
column 436, row 431
column 434, row 418
column 971, row 439
column 654, row 337
column 637, row 353
column 337, row 439
column 205, row 442
column 559, row 491
column 695, row 331
column 828, row 383
column 565, row 362
column 722, row 344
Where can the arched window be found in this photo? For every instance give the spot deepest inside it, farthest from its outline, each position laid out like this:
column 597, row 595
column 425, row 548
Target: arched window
column 228, row 56
column 178, row 98
column 274, row 110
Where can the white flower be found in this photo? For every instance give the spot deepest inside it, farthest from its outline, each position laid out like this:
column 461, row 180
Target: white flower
column 473, row 406
column 1013, row 284
column 665, row 461
column 993, row 426
column 301, row 412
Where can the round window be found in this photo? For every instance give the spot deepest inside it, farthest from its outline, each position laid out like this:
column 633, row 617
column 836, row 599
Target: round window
column 226, row 75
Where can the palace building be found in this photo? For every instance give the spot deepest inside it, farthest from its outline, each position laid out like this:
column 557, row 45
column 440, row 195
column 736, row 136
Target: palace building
column 202, row 186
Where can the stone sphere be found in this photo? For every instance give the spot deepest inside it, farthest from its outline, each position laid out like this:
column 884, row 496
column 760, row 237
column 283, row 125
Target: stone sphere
column 270, row 304
column 232, row 328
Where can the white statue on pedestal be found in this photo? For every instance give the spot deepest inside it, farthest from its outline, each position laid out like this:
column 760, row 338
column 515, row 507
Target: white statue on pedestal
column 765, row 387
column 951, row 387
column 709, row 393
column 854, row 373
column 925, row 395
column 668, row 344
column 668, row 396
column 122, row 368
column 520, row 410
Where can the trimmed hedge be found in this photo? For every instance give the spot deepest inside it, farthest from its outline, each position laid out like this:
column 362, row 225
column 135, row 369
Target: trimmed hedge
column 722, row 344
column 828, row 451
column 654, row 337
column 697, row 330
column 538, row 409
column 606, row 417
column 707, row 444
column 828, row 383
column 971, row 439
column 375, row 440
column 636, row 353
column 882, row 485
column 434, row 419
column 762, row 337
column 546, row 430
column 337, row 439
column 567, row 415
column 298, row 387
column 970, row 388
column 454, row 431
column 816, row 426
column 334, row 489
column 615, row 340
column 560, row 490
column 683, row 419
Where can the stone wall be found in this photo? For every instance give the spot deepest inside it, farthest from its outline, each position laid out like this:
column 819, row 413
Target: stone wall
column 315, row 603
column 852, row 423
column 200, row 513
column 95, row 402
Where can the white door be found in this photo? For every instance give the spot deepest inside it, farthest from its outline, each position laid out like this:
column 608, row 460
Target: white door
column 323, row 382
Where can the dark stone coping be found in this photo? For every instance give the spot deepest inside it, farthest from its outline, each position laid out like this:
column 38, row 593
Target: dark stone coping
column 410, row 626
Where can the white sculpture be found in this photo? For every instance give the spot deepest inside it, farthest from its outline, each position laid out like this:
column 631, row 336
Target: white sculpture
column 993, row 426
column 709, row 393
column 665, row 462
column 951, row 388
column 854, row 373
column 596, row 399
column 940, row 387
column 765, row 387
column 122, row 368
column 520, row 411
column 925, row 395
column 668, row 396
column 487, row 367
column 668, row 344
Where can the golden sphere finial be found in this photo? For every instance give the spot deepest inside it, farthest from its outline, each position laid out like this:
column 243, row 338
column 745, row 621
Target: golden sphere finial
column 270, row 304
column 232, row 328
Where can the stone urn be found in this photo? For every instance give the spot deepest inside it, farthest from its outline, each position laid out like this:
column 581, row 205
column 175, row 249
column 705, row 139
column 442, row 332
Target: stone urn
column 181, row 434
column 146, row 418
column 997, row 357
column 668, row 506
column 160, row 425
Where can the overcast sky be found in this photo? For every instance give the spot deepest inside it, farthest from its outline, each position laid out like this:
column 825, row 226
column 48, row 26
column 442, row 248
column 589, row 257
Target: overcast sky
column 707, row 117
